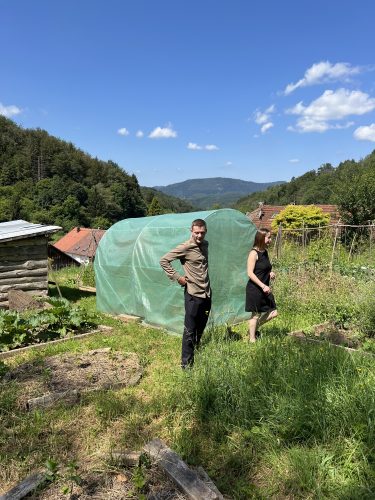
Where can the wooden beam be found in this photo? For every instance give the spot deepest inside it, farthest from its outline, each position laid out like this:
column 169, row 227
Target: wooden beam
column 22, row 273
column 68, row 397
column 187, row 480
column 8, row 265
column 25, row 487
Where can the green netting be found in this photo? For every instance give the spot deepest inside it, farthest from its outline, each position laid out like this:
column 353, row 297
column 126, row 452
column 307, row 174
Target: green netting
column 129, row 279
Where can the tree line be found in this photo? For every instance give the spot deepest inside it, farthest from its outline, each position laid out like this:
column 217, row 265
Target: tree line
column 47, row 180
column 350, row 186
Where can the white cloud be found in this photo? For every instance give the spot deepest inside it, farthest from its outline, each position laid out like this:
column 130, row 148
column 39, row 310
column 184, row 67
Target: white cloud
column 331, row 105
column 196, row 147
column 229, row 163
column 294, row 160
column 163, row 133
column 365, row 133
column 261, row 117
column 324, row 72
column 266, row 127
column 193, row 146
column 9, row 111
column 123, row 131
column 139, row 133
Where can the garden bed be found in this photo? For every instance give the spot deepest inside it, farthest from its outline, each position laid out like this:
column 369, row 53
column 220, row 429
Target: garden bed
column 73, row 374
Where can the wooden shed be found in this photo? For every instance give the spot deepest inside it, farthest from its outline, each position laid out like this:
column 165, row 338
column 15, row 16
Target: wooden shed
column 23, row 258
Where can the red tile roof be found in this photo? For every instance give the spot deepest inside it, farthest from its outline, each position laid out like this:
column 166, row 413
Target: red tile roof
column 80, row 241
column 263, row 216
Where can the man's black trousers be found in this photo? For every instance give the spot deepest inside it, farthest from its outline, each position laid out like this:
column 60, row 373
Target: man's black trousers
column 197, row 310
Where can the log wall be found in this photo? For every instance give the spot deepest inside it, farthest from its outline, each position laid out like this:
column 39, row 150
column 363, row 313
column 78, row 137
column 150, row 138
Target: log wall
column 23, row 266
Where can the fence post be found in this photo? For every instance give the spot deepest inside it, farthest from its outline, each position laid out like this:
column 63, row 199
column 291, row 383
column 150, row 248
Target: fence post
column 334, row 248
column 279, row 236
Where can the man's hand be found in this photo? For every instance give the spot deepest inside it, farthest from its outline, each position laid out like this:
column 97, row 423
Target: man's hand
column 182, row 281
column 272, row 275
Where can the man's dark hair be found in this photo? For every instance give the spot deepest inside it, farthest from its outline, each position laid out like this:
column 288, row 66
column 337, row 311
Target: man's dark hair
column 199, row 223
column 260, row 237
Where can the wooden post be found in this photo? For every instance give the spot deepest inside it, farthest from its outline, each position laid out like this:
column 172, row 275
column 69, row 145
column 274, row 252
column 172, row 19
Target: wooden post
column 351, row 246
column 334, row 248
column 278, row 239
column 54, row 278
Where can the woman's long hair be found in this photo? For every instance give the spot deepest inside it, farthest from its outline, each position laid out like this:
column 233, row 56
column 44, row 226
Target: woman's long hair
column 260, row 237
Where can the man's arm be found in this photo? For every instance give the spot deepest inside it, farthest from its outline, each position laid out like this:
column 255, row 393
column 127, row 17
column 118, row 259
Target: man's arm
column 177, row 253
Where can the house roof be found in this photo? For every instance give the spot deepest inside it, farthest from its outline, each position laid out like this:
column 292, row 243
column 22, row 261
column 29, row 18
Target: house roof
column 263, row 215
column 20, row 229
column 80, row 241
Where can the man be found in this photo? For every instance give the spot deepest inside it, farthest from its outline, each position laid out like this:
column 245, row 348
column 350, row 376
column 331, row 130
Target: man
column 193, row 255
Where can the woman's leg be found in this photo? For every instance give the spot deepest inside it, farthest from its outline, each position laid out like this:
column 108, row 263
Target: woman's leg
column 267, row 317
column 253, row 323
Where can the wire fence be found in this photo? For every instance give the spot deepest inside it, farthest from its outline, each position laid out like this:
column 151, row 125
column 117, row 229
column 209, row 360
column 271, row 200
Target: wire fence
column 338, row 242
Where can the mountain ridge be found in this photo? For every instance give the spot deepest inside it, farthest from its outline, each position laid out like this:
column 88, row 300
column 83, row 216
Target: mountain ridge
column 208, row 191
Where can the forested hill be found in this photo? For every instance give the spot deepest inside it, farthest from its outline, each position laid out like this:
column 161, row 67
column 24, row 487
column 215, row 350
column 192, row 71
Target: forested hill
column 46, row 180
column 351, row 185
column 222, row 191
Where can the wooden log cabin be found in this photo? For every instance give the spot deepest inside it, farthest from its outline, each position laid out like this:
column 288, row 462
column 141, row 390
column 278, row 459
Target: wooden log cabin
column 23, row 258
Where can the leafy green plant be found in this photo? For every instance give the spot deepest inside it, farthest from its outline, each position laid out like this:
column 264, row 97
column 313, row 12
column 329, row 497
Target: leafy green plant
column 62, row 319
column 69, row 475
column 88, row 275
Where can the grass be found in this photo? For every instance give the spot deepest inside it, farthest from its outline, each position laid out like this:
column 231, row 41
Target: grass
column 276, row 419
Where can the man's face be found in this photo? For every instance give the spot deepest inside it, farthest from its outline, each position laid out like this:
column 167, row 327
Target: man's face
column 198, row 233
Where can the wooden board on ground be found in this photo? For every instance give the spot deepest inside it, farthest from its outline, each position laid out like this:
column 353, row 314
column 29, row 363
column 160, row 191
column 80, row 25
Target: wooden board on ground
column 90, row 289
column 25, row 487
column 128, row 318
column 187, row 480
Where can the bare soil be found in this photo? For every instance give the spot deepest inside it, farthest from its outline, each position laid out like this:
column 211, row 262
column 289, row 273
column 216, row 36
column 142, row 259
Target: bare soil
column 117, row 485
column 98, row 369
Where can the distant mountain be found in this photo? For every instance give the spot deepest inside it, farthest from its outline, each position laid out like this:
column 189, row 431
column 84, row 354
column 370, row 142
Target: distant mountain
column 222, row 191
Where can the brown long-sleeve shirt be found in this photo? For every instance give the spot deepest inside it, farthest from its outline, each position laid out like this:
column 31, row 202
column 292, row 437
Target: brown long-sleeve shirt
column 194, row 259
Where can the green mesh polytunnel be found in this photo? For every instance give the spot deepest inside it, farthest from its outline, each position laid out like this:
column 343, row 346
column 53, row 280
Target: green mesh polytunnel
column 129, row 279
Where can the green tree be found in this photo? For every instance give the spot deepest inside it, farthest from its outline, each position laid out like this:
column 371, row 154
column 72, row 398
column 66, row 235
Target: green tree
column 299, row 216
column 357, row 196
column 154, row 207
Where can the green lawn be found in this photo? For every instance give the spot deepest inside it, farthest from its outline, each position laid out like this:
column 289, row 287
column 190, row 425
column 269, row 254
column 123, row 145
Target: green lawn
column 276, row 419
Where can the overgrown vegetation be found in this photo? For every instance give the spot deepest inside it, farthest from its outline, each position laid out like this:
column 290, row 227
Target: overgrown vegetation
column 277, row 419
column 18, row 330
column 351, row 186
column 299, row 216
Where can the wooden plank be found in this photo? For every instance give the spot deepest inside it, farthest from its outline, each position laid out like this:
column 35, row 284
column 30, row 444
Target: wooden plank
column 21, row 350
column 39, row 285
column 206, row 478
column 126, row 318
column 24, row 251
column 87, row 289
column 34, row 241
column 8, row 265
column 21, row 273
column 68, row 397
column 25, row 487
column 187, row 480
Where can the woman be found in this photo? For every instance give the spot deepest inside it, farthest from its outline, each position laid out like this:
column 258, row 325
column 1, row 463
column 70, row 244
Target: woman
column 259, row 298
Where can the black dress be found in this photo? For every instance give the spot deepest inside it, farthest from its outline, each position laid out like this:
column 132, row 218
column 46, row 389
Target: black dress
column 256, row 300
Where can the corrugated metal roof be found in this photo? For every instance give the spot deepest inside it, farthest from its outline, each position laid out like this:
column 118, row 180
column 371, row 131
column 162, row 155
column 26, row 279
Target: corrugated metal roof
column 80, row 241
column 19, row 229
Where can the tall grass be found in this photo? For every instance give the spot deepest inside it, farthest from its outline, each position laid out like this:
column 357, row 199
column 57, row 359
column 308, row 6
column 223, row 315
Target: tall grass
column 279, row 418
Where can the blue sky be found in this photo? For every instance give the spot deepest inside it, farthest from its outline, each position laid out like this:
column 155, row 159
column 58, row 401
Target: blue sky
column 174, row 90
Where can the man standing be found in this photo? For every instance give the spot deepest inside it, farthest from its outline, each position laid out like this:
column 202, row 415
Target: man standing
column 193, row 255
